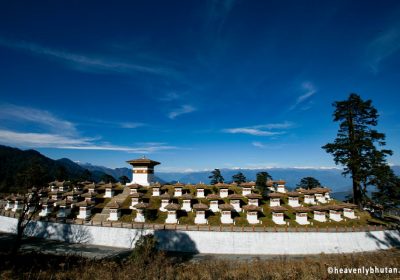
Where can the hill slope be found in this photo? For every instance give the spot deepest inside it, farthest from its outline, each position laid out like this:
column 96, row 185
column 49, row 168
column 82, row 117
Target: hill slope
column 20, row 169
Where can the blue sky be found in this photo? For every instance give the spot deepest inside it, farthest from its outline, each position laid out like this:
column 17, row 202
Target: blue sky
column 194, row 84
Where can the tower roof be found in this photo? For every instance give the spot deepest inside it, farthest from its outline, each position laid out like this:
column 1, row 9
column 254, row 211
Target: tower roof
column 143, row 161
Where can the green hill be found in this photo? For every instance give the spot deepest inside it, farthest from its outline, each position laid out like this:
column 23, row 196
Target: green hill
column 20, row 169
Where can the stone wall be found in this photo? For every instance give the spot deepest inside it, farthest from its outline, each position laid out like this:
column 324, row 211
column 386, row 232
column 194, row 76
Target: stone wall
column 211, row 242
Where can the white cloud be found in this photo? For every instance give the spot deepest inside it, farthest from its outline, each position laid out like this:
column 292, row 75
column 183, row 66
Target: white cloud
column 260, row 130
column 88, row 63
column 251, row 131
column 45, row 119
column 170, row 96
column 382, row 47
column 46, row 140
column 184, row 109
column 308, row 90
column 258, row 144
column 61, row 134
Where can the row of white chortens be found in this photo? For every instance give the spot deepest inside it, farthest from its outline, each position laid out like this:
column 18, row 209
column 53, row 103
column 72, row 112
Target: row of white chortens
column 63, row 198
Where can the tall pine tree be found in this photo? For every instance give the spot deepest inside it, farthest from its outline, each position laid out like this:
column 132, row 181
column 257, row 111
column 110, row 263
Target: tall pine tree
column 355, row 144
column 239, row 178
column 216, row 177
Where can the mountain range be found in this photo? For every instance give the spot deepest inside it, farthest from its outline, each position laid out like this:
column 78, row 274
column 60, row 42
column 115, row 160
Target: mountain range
column 14, row 162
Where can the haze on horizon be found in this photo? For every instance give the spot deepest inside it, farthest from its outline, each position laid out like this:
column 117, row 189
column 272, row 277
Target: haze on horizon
column 194, row 85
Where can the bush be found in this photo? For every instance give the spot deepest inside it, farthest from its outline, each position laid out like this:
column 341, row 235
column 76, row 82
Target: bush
column 145, row 249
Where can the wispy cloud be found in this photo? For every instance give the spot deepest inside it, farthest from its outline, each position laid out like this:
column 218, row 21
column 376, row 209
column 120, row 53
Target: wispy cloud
column 97, row 122
column 261, row 130
column 60, row 134
column 184, row 109
column 170, row 96
column 251, row 131
column 14, row 113
column 217, row 13
column 89, row 63
column 382, row 47
column 258, row 144
column 46, row 140
column 308, row 89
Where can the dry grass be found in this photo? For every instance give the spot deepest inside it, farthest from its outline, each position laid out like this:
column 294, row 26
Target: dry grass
column 159, row 266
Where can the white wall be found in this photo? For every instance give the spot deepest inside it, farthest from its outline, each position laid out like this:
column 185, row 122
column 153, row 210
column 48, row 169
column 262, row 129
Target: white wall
column 211, row 242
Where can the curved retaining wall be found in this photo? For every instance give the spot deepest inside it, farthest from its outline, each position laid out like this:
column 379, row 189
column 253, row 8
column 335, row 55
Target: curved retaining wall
column 210, row 242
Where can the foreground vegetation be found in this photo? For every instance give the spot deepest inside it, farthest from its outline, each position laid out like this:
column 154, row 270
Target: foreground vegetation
column 157, row 265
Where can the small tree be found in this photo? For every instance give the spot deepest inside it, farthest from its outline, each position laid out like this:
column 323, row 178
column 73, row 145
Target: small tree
column 239, row 178
column 216, row 177
column 124, row 179
column 308, row 183
column 108, row 178
column 261, row 181
column 31, row 205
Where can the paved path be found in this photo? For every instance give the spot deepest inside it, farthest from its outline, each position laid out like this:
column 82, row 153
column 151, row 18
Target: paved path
column 63, row 248
column 105, row 213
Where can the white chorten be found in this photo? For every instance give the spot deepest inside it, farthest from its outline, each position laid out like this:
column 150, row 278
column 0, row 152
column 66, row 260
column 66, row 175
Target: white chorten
column 142, row 171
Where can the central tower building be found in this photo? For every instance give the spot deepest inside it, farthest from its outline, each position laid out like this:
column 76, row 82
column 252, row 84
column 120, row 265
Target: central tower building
column 142, row 171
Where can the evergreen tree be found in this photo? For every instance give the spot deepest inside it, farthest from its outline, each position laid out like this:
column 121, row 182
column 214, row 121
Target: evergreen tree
column 61, row 173
column 108, row 178
column 216, row 177
column 309, row 183
column 239, row 178
column 355, row 144
column 388, row 187
column 124, row 179
column 261, row 182
column 86, row 175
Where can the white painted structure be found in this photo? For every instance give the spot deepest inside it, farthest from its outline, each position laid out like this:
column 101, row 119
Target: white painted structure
column 212, row 242
column 280, row 186
column 278, row 218
column 301, row 218
column 171, row 217
column 109, row 192
column 143, row 171
column 246, row 191
column 186, row 205
column 164, row 202
column 335, row 216
column 200, row 218
column 156, row 191
column 177, row 191
column 320, row 216
column 200, row 193
column 84, row 212
column 293, row 201
column 252, row 218
column 223, row 192
column 349, row 213
column 327, row 196
column 309, row 199
column 274, row 202
column 9, row 205
column 18, row 205
column 114, row 215
column 214, row 206
column 46, row 210
column 139, row 216
column 236, row 205
column 226, row 217
column 320, row 198
column 134, row 201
